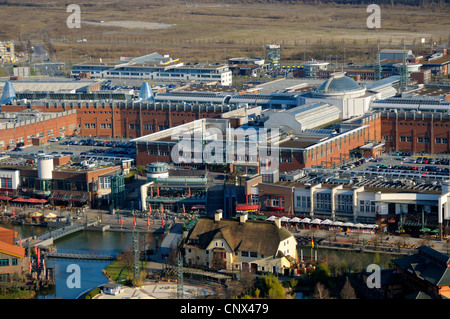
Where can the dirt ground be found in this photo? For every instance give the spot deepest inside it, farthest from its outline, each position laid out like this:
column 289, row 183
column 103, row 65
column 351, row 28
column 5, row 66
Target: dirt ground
column 212, row 32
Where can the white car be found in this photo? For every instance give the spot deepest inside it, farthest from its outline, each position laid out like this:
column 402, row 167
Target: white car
column 54, row 139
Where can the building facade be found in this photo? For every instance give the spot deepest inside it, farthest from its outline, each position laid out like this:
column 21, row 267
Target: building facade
column 19, row 129
column 240, row 245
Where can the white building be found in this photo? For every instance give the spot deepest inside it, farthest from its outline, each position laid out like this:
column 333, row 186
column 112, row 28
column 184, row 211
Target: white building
column 175, row 72
column 240, row 245
column 345, row 93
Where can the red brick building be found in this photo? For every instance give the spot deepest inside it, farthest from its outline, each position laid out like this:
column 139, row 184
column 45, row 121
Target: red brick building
column 20, row 128
column 126, row 119
column 417, row 133
column 296, row 153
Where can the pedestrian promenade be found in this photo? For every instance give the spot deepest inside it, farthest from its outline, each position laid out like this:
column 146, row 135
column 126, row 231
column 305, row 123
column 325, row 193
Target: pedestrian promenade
column 382, row 240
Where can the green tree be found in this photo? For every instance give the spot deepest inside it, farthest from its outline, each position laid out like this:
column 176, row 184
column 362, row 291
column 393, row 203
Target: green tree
column 272, row 288
column 376, row 259
column 321, row 273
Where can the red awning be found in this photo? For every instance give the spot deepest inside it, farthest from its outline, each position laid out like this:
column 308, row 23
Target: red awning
column 5, row 198
column 198, row 206
column 247, row 207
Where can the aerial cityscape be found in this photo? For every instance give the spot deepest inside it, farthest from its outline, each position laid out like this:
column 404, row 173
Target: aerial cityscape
column 224, row 150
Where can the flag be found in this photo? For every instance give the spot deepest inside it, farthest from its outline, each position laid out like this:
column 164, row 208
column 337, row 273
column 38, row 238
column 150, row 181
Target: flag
column 134, row 222
column 14, row 212
column 43, row 266
column 121, row 222
column 151, row 191
column 312, row 243
column 162, row 209
column 38, row 257
column 149, row 208
column 162, row 223
column 184, row 210
column 148, row 222
column 29, row 265
column 189, row 192
column 157, row 191
column 20, row 242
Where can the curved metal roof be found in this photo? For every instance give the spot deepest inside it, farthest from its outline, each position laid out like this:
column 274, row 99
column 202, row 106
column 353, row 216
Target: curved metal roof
column 338, row 83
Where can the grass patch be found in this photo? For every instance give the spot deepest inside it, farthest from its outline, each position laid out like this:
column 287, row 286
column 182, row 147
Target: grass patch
column 3, row 73
column 120, row 270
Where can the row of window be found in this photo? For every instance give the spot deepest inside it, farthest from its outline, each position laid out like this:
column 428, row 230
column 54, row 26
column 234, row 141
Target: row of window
column 424, row 139
column 344, row 203
column 6, row 262
column 420, row 124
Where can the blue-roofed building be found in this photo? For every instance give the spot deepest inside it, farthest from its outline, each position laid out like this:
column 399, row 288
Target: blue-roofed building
column 146, row 93
column 8, row 95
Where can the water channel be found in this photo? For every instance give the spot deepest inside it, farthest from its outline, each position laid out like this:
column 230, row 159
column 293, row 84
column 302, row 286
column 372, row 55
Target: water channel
column 84, row 242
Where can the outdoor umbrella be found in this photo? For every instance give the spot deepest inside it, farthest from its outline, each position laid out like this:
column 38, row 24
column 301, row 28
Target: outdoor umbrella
column 51, row 215
column 285, row 219
column 338, row 223
column 295, row 220
column 306, row 220
column 35, row 214
column 359, row 225
column 271, row 218
column 435, row 231
column 326, row 222
column 316, row 221
column 348, row 224
column 425, row 230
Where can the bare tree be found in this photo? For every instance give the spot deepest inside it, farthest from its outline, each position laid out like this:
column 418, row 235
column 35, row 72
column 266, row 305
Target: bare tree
column 321, row 292
column 347, row 291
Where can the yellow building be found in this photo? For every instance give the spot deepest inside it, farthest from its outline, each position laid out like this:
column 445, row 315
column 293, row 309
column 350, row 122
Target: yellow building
column 241, row 245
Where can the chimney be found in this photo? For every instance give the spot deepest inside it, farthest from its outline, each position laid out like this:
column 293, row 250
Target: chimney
column 218, row 215
column 243, row 218
column 278, row 222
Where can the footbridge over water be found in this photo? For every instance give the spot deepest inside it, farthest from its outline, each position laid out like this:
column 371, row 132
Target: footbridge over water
column 47, row 238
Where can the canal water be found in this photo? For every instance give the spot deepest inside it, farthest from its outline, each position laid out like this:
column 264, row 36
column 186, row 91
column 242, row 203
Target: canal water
column 84, row 242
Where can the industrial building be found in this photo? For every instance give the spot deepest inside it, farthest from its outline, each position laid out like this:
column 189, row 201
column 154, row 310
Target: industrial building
column 32, row 127
column 156, row 67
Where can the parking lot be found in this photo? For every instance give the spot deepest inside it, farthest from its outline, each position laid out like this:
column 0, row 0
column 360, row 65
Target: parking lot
column 79, row 147
column 390, row 171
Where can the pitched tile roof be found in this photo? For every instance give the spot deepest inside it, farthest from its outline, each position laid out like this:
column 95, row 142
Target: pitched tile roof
column 12, row 250
column 428, row 264
column 7, row 235
column 258, row 236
